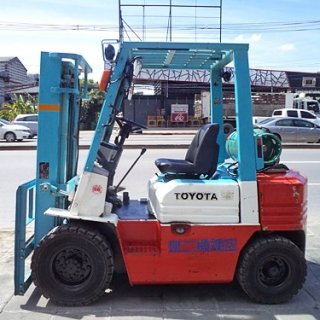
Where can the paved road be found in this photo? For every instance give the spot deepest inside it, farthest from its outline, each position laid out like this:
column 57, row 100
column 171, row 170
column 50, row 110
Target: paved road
column 153, row 138
column 20, row 167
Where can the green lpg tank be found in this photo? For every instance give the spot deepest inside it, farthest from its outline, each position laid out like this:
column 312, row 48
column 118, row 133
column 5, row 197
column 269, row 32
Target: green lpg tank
column 271, row 146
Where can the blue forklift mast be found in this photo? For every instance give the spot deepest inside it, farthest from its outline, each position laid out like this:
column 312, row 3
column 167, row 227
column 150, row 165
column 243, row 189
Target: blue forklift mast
column 57, row 154
column 59, row 107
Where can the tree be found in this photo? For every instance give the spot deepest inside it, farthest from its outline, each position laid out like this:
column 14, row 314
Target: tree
column 21, row 105
column 91, row 107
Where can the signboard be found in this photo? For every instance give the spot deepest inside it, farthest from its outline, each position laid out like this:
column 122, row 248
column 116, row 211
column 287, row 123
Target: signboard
column 179, row 113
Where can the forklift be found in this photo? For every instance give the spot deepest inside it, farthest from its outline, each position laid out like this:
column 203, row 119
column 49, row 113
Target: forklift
column 228, row 211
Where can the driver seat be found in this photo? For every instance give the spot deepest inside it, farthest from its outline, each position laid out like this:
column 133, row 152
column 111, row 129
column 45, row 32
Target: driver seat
column 201, row 157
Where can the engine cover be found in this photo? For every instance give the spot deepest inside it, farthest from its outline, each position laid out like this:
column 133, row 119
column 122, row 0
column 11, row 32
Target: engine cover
column 194, row 201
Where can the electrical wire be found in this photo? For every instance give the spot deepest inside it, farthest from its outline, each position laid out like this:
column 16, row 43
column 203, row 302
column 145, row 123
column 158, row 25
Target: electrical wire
column 266, row 27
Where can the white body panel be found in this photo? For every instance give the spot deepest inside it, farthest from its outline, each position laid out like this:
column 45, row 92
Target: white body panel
column 108, row 218
column 249, row 202
column 195, row 201
column 90, row 196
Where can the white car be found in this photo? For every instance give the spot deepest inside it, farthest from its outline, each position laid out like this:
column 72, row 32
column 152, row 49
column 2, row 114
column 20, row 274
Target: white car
column 291, row 129
column 297, row 113
column 12, row 132
column 28, row 120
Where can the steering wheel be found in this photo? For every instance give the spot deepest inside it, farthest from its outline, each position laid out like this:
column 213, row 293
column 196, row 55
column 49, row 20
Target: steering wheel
column 126, row 127
column 132, row 126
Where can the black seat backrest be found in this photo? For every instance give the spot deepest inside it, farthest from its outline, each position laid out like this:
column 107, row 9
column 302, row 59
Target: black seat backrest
column 203, row 150
column 201, row 157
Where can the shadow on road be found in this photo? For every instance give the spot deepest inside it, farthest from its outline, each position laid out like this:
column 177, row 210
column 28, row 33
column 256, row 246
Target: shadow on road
column 217, row 301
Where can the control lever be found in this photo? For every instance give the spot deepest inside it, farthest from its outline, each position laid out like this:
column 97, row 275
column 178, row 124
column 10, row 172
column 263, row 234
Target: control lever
column 143, row 150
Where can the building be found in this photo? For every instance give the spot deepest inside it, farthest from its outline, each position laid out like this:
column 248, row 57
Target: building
column 178, row 88
column 13, row 77
column 269, row 88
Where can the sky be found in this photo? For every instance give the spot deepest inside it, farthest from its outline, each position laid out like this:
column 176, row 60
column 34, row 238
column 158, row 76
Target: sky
column 282, row 34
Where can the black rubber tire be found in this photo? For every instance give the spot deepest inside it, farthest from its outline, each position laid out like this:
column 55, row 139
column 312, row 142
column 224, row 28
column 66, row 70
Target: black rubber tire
column 278, row 135
column 228, row 128
column 10, row 137
column 72, row 265
column 271, row 270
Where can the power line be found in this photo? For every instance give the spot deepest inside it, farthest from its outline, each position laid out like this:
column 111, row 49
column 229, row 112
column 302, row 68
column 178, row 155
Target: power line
column 272, row 26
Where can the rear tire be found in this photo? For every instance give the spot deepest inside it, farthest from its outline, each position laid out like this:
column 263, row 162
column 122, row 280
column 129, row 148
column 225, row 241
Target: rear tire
column 72, row 265
column 271, row 270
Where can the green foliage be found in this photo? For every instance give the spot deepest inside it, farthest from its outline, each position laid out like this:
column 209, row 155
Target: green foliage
column 21, row 105
column 88, row 115
column 91, row 107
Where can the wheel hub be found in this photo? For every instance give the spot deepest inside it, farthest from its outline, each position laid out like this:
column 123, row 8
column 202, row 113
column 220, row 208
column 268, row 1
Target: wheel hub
column 72, row 266
column 273, row 272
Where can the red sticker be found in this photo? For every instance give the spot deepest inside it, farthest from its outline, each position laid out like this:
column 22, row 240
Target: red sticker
column 97, row 188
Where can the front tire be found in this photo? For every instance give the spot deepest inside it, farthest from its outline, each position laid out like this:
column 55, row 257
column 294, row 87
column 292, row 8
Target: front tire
column 10, row 137
column 72, row 265
column 271, row 270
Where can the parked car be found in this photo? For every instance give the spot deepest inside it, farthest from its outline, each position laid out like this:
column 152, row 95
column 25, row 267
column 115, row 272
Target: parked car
column 292, row 129
column 296, row 113
column 28, row 120
column 12, row 132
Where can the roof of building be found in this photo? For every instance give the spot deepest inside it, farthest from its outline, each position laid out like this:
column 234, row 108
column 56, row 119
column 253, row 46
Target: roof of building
column 6, row 59
column 9, row 59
